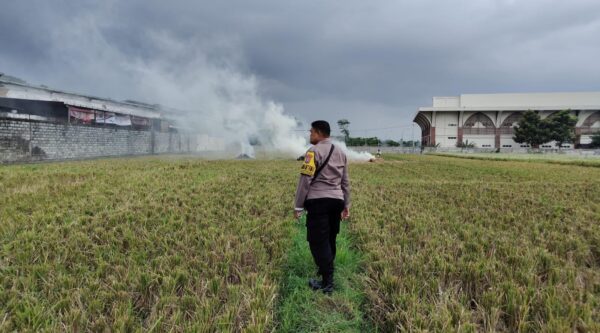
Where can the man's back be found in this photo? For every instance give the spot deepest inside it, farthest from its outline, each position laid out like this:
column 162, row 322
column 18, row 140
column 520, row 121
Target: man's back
column 332, row 181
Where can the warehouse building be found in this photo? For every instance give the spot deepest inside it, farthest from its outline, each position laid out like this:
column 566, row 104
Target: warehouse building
column 38, row 123
column 487, row 120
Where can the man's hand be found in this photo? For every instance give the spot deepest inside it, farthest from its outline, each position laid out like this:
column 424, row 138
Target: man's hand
column 345, row 213
column 298, row 213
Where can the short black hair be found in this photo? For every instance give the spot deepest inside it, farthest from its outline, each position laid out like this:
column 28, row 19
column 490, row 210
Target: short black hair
column 322, row 127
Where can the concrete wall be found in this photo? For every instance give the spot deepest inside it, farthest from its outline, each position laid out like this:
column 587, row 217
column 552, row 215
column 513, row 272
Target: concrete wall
column 446, row 129
column 480, row 141
column 446, row 101
column 27, row 141
column 506, row 141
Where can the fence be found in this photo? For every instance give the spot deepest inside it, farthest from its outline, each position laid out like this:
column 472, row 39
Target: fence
column 27, row 140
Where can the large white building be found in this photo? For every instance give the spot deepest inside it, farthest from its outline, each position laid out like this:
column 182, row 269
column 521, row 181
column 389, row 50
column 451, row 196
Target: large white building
column 487, row 120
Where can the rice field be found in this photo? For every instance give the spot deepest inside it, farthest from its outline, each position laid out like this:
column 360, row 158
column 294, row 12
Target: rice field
column 477, row 245
column 180, row 244
column 144, row 243
column 588, row 159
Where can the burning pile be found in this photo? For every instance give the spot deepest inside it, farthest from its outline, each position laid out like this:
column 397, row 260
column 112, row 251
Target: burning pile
column 244, row 157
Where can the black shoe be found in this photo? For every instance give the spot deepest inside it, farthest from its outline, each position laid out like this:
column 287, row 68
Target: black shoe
column 327, row 284
column 315, row 284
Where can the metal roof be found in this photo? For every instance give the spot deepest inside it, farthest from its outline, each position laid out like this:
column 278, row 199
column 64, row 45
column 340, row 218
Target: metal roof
column 12, row 89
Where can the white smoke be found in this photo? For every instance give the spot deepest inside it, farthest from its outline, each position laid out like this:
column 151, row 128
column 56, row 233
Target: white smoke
column 220, row 101
column 352, row 154
column 204, row 79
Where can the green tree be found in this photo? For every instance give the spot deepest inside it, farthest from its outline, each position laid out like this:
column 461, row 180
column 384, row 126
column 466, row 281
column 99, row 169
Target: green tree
column 411, row 143
column 392, row 143
column 531, row 130
column 465, row 144
column 355, row 142
column 360, row 141
column 343, row 124
column 373, row 141
column 561, row 127
column 595, row 140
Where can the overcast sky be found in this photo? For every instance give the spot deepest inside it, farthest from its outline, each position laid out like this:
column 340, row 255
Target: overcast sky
column 372, row 62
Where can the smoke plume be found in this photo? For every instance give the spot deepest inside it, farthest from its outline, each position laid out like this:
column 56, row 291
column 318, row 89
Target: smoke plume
column 202, row 83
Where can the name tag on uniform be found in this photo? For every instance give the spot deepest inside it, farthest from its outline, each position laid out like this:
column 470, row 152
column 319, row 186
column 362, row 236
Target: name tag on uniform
column 308, row 167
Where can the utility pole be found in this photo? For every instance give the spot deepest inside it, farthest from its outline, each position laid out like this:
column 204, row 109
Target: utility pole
column 401, row 140
column 413, row 136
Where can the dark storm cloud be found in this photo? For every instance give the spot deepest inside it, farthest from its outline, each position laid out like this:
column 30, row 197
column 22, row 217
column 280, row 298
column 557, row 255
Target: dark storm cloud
column 373, row 62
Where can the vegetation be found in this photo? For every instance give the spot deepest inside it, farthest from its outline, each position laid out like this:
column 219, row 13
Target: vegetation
column 343, row 124
column 392, row 143
column 561, row 127
column 558, row 127
column 531, row 130
column 303, row 310
column 591, row 161
column 595, row 141
column 473, row 245
column 411, row 143
column 429, row 144
column 142, row 244
column 465, row 144
column 402, row 143
column 360, row 141
column 357, row 141
column 434, row 244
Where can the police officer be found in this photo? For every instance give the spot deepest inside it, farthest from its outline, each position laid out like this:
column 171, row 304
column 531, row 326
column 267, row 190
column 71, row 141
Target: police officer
column 324, row 192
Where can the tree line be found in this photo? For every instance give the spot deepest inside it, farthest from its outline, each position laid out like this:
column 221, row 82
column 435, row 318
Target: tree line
column 371, row 141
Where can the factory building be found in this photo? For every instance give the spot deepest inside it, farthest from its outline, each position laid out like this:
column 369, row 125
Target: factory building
column 38, row 123
column 488, row 120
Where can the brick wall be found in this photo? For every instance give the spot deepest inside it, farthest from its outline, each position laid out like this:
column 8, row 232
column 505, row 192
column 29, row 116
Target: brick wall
column 27, row 141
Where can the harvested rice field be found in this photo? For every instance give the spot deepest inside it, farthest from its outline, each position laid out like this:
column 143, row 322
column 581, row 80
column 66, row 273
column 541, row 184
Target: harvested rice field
column 178, row 244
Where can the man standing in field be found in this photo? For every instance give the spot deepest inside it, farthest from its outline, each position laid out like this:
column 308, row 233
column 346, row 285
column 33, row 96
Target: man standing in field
column 324, row 192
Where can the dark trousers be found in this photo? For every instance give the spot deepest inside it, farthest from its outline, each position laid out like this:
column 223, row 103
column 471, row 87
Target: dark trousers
column 322, row 226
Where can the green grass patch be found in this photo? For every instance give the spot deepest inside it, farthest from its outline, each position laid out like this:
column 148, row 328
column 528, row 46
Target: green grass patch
column 592, row 161
column 302, row 309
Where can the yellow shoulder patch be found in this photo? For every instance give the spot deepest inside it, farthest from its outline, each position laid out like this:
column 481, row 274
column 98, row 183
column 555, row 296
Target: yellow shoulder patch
column 308, row 167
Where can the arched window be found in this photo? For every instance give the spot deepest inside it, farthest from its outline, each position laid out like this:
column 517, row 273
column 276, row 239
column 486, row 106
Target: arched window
column 591, row 124
column 510, row 122
column 479, row 123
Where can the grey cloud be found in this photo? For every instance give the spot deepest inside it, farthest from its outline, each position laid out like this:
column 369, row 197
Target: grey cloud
column 337, row 59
